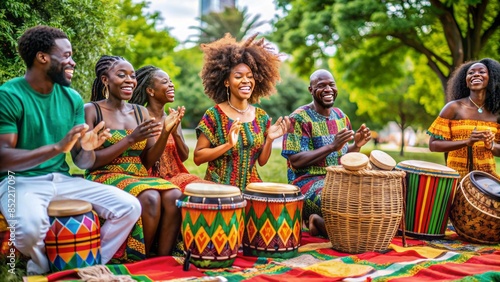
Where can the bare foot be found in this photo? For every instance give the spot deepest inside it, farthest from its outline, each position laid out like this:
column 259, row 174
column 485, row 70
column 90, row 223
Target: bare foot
column 317, row 225
column 312, row 228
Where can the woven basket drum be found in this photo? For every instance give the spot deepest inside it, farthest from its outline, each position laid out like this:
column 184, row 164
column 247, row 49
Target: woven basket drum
column 475, row 212
column 362, row 209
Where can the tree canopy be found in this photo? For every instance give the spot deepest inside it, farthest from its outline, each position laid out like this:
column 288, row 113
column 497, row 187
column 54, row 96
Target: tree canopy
column 445, row 32
column 231, row 20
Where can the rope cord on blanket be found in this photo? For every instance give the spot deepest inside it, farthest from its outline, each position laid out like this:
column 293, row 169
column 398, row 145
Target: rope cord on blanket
column 100, row 273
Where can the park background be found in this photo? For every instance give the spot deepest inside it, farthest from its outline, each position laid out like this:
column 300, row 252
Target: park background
column 391, row 59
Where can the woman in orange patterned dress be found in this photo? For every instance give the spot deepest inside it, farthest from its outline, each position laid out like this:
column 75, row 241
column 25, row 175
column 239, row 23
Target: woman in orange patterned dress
column 154, row 90
column 468, row 126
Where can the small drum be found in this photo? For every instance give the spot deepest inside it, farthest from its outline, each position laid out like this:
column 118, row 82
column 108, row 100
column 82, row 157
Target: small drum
column 355, row 161
column 212, row 223
column 430, row 189
column 273, row 220
column 74, row 238
column 475, row 212
column 380, row 160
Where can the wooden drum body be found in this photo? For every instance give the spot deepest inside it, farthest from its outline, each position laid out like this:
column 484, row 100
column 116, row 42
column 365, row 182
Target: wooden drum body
column 430, row 189
column 273, row 220
column 475, row 212
column 74, row 238
column 212, row 223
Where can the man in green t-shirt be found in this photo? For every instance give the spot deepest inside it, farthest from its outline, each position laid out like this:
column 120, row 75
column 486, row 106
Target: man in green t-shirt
column 41, row 119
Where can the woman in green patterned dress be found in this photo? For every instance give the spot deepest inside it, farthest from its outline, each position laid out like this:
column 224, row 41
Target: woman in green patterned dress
column 123, row 160
column 233, row 136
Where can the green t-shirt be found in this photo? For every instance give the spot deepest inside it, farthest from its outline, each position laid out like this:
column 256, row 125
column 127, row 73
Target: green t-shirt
column 39, row 120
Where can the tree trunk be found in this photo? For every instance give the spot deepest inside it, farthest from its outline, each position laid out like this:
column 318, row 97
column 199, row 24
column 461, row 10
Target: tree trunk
column 402, row 151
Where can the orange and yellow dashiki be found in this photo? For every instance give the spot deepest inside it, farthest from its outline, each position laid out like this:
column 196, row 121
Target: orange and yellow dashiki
column 453, row 130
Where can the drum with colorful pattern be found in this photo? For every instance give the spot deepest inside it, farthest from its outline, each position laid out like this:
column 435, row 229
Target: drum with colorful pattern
column 74, row 238
column 475, row 212
column 273, row 220
column 430, row 189
column 212, row 223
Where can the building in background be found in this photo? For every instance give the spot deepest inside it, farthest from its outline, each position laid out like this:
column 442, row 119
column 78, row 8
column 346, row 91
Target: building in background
column 208, row 6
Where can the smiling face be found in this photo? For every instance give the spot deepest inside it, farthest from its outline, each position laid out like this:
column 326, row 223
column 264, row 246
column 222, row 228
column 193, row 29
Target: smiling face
column 162, row 88
column 323, row 89
column 241, row 82
column 121, row 80
column 61, row 64
column 477, row 77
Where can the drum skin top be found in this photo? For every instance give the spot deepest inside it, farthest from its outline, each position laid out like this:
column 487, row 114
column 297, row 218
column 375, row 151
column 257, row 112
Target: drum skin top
column 211, row 190
column 486, row 183
column 272, row 188
column 354, row 161
column 423, row 167
column 382, row 160
column 68, row 207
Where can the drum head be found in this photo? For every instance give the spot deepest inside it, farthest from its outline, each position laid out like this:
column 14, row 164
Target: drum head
column 486, row 183
column 428, row 168
column 211, row 190
column 272, row 188
column 382, row 160
column 68, row 207
column 354, row 161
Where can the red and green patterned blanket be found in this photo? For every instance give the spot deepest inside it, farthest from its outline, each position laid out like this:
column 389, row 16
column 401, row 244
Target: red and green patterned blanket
column 449, row 259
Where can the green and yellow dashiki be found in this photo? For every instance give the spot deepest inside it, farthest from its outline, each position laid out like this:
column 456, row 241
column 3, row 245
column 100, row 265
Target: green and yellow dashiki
column 312, row 131
column 237, row 166
column 453, row 130
column 129, row 174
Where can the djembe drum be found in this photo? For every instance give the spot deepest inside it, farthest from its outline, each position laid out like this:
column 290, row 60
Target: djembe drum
column 380, row 160
column 430, row 189
column 273, row 220
column 74, row 238
column 475, row 212
column 212, row 223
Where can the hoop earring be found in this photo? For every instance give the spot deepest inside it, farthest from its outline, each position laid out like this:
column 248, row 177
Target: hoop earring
column 105, row 91
column 227, row 91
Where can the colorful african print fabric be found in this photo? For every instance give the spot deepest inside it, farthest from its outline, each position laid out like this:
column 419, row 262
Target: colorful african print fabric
column 237, row 166
column 171, row 168
column 453, row 130
column 129, row 174
column 312, row 131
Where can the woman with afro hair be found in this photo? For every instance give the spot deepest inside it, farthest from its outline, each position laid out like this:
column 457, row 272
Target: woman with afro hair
column 468, row 126
column 233, row 135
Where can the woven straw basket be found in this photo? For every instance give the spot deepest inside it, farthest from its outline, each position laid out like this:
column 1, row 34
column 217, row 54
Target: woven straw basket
column 474, row 214
column 362, row 209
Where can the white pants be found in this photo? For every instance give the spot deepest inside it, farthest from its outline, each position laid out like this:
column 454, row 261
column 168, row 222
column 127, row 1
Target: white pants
column 32, row 197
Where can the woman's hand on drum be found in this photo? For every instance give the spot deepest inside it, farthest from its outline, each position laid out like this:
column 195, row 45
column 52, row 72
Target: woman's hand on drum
column 234, row 131
column 362, row 136
column 279, row 128
column 341, row 138
column 149, row 128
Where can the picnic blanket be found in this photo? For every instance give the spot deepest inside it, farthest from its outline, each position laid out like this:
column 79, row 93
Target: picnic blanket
column 449, row 259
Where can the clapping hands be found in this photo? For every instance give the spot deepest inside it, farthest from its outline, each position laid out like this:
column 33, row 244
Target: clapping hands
column 279, row 128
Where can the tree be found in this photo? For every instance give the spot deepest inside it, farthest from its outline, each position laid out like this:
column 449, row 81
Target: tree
column 85, row 22
column 445, row 32
column 142, row 42
column 215, row 25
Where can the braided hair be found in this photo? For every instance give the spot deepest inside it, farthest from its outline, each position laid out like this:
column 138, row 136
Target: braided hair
column 457, row 85
column 144, row 77
column 102, row 67
column 221, row 56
